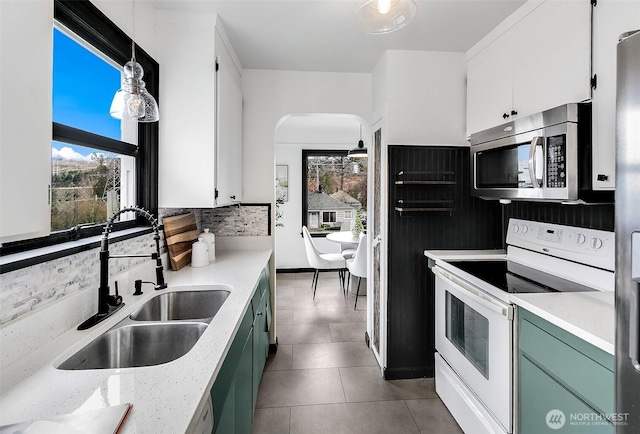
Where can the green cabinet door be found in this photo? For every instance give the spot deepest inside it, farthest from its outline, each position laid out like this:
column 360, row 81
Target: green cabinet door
column 244, row 388
column 547, row 407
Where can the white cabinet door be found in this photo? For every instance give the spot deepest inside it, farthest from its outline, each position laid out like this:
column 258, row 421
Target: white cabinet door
column 187, row 114
column 490, row 86
column 229, row 128
column 612, row 18
column 541, row 62
column 25, row 125
column 552, row 66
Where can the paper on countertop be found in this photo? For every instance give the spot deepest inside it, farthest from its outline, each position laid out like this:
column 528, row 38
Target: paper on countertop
column 100, row 421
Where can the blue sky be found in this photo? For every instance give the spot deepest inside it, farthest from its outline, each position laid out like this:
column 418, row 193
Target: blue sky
column 83, row 87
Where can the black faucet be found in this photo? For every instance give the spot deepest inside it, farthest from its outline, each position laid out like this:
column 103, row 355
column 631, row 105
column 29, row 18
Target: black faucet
column 109, row 304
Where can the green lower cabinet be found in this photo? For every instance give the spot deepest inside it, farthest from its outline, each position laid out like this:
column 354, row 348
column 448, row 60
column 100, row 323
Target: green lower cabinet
column 235, row 391
column 565, row 385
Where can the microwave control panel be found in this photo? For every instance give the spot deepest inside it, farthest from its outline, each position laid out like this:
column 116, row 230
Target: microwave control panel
column 556, row 161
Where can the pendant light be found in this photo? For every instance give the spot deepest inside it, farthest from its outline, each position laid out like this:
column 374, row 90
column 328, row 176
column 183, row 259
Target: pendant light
column 132, row 101
column 384, row 16
column 359, row 151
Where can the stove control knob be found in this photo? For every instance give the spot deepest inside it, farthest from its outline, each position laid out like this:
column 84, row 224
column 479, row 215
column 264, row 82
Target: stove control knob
column 580, row 239
column 525, row 229
column 596, row 243
column 516, row 229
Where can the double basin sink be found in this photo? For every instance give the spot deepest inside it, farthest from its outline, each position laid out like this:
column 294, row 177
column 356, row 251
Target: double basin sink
column 164, row 329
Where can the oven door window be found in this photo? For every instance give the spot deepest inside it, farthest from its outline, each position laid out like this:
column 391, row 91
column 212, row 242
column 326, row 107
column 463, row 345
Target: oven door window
column 468, row 331
column 508, row 167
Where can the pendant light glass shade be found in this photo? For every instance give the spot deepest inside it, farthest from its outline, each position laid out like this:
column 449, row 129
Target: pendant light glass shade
column 385, row 16
column 132, row 101
column 359, row 151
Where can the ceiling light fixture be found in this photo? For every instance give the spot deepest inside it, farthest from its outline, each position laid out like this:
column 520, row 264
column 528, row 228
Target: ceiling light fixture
column 359, row 151
column 385, row 16
column 132, row 101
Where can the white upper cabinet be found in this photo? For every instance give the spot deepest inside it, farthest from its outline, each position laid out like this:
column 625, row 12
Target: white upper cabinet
column 540, row 62
column 25, row 124
column 229, row 127
column 201, row 113
column 611, row 19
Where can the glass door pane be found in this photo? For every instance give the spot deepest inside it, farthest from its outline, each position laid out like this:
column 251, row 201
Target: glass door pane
column 468, row 331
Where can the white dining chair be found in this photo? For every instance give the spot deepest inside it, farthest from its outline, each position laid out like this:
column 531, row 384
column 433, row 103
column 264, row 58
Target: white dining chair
column 346, row 249
column 357, row 265
column 323, row 261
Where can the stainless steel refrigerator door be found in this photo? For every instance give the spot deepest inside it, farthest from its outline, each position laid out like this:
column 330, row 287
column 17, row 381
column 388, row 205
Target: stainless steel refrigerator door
column 627, row 223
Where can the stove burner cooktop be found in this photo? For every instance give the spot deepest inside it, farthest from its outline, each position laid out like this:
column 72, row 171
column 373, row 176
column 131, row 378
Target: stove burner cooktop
column 514, row 278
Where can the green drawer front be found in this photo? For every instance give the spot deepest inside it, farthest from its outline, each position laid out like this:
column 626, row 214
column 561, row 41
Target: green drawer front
column 540, row 394
column 573, row 362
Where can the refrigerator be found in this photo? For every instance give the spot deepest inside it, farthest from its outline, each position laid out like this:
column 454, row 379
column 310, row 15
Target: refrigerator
column 627, row 210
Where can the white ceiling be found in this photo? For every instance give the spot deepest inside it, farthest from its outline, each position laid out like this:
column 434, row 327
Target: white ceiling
column 321, row 35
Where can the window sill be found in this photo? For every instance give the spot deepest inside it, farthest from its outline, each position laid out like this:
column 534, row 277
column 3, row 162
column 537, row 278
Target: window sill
column 16, row 261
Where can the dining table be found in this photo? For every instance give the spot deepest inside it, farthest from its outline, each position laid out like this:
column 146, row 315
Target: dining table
column 344, row 237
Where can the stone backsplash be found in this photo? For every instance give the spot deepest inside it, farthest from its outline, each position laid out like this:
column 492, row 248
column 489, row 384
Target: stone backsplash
column 34, row 287
column 231, row 221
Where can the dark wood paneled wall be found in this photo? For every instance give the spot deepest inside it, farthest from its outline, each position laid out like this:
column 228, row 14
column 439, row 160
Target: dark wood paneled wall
column 475, row 224
column 585, row 216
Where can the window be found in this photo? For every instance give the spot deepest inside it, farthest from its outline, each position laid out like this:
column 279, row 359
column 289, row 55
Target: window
column 336, row 187
column 329, row 217
column 88, row 183
column 115, row 164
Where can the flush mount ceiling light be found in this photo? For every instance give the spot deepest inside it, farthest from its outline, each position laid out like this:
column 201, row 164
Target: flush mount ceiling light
column 359, row 151
column 132, row 101
column 384, row 16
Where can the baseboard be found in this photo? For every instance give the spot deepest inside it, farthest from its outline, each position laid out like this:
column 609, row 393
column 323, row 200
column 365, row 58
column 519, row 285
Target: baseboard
column 301, row 270
column 407, row 373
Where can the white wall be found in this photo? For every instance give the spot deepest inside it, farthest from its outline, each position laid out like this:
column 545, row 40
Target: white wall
column 425, row 97
column 270, row 95
column 329, row 133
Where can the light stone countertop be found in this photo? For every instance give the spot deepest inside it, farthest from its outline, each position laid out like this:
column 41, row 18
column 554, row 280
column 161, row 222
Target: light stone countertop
column 587, row 315
column 469, row 255
column 164, row 397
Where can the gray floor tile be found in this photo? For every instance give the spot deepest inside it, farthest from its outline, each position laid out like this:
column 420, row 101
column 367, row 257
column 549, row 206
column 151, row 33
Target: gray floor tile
column 363, row 314
column 283, row 317
column 286, row 276
column 281, row 360
column 339, row 301
column 284, row 291
column 299, row 387
column 325, row 316
column 348, row 332
column 271, row 420
column 332, row 355
column 299, row 303
column 305, row 276
column 391, row 417
column 304, row 333
column 432, row 417
column 367, row 384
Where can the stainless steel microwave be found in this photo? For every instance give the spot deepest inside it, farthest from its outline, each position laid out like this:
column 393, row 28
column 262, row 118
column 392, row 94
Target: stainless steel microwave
column 545, row 156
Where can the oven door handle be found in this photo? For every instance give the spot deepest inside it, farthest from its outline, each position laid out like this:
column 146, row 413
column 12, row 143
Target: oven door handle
column 535, row 142
column 476, row 294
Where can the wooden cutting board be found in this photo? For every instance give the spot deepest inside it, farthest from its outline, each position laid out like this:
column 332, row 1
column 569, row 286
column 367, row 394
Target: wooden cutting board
column 180, row 232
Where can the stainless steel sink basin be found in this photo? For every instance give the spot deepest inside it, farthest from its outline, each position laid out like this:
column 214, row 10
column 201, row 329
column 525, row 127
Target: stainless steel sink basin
column 182, row 305
column 142, row 344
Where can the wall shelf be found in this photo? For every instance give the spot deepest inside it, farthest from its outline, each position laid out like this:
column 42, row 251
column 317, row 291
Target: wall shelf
column 425, row 178
column 425, row 206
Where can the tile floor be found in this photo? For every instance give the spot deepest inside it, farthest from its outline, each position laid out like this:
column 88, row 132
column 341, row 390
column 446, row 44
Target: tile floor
column 324, row 379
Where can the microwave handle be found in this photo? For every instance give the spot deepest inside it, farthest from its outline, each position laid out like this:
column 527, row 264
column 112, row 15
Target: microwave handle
column 535, row 142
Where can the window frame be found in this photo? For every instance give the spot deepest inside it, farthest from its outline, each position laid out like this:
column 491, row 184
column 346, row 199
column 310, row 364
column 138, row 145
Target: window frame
column 305, row 168
column 87, row 22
